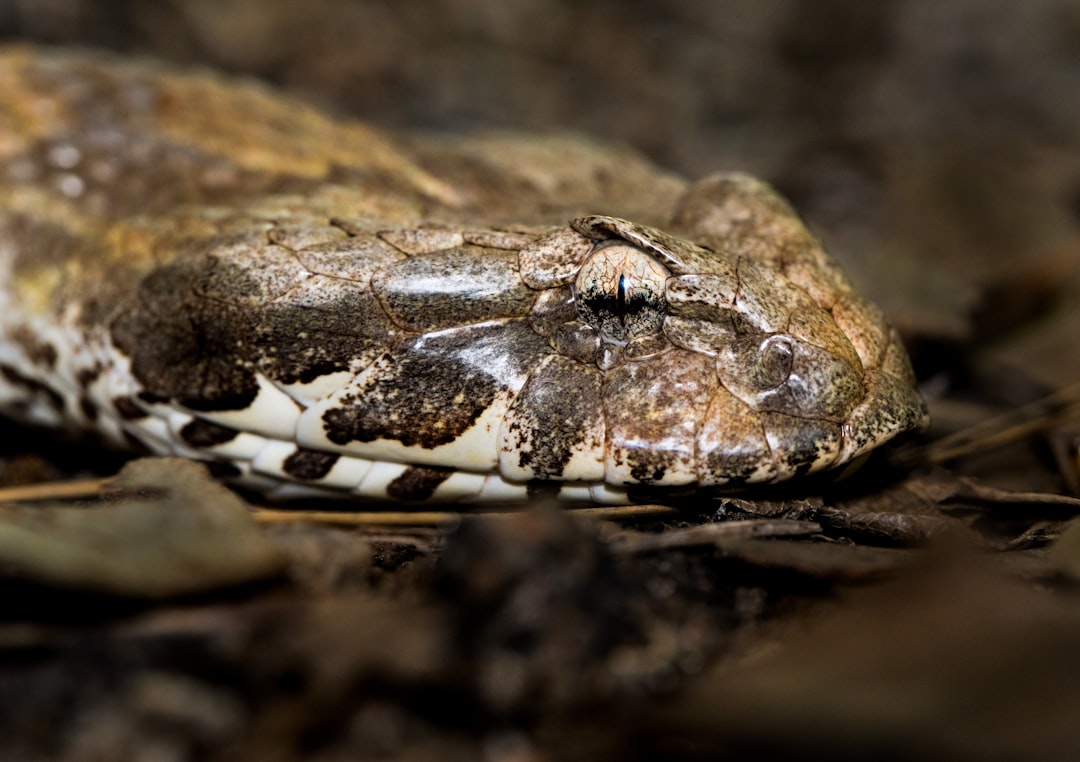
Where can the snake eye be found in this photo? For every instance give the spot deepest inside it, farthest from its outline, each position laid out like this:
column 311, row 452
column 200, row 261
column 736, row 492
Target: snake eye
column 620, row 292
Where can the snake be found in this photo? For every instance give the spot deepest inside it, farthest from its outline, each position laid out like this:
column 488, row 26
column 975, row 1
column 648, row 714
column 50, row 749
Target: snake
column 201, row 266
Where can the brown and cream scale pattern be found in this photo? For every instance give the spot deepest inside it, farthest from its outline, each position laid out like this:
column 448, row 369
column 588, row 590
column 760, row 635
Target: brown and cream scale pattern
column 204, row 268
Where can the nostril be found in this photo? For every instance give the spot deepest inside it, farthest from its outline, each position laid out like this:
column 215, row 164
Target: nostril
column 774, row 361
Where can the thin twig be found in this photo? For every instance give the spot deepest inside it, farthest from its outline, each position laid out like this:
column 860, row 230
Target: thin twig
column 82, row 488
column 357, row 518
column 443, row 518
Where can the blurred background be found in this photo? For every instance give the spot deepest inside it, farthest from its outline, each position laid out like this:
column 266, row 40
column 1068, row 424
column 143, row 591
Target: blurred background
column 932, row 143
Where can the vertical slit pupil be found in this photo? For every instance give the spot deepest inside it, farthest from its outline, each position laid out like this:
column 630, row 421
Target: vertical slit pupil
column 620, row 300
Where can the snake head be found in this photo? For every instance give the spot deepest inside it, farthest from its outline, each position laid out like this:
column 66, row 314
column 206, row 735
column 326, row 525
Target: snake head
column 735, row 352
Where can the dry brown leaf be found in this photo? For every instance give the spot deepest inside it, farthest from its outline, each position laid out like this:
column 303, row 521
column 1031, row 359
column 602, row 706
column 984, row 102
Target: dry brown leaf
column 168, row 529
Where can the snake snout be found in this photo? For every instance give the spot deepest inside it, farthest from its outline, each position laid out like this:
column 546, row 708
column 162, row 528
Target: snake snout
column 780, row 374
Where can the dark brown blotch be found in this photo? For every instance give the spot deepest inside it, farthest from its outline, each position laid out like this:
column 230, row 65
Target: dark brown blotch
column 201, row 433
column 309, row 465
column 417, row 483
column 128, row 409
column 88, row 408
column 185, row 347
column 38, row 351
column 542, row 489
column 89, row 375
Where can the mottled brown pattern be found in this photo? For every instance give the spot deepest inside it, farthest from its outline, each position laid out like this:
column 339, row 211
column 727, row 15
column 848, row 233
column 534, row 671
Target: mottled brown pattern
column 662, row 403
column 558, row 411
column 491, row 288
column 178, row 241
column 434, row 388
column 323, row 326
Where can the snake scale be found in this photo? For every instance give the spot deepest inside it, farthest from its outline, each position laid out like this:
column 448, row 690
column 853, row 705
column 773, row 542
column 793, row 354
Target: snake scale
column 203, row 267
